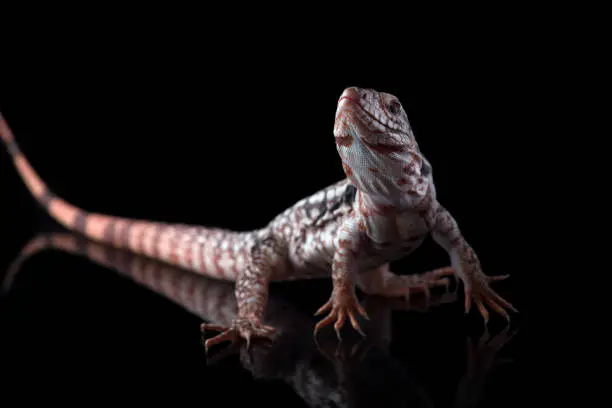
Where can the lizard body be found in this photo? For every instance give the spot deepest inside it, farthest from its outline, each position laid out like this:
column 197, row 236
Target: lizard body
column 380, row 212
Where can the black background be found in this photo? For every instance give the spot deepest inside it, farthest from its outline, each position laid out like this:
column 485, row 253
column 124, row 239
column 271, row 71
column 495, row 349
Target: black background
column 230, row 138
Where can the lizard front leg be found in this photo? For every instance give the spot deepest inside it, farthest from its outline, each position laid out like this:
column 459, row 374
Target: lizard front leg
column 343, row 301
column 251, row 293
column 447, row 234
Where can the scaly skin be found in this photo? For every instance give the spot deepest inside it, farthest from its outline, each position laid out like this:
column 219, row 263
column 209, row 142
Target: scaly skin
column 351, row 376
column 381, row 212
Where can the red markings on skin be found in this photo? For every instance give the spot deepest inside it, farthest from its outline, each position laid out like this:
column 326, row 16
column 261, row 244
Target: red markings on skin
column 362, row 109
column 347, row 170
column 235, row 269
column 155, row 244
column 336, row 264
column 410, row 167
column 385, row 148
column 215, row 260
column 344, row 243
column 373, row 169
column 384, row 209
column 349, row 99
column 188, row 253
column 140, row 240
column 345, row 141
column 402, row 182
column 418, row 189
column 362, row 208
column 174, row 258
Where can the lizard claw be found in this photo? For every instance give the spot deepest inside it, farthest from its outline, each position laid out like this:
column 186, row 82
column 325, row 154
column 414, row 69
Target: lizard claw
column 242, row 328
column 437, row 278
column 340, row 306
column 423, row 283
column 476, row 287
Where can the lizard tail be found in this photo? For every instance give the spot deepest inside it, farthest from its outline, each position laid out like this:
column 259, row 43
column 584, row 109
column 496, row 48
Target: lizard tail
column 214, row 252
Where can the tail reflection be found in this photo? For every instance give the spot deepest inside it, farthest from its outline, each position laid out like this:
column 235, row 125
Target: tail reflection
column 362, row 374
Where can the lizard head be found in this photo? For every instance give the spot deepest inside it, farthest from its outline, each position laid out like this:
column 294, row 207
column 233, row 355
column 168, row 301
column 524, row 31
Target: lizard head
column 375, row 142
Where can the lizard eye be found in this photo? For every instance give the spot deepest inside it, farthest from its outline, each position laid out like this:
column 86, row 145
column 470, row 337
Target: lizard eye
column 394, row 107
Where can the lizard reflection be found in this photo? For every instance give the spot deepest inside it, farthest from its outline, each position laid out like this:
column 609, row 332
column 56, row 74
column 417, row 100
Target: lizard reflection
column 362, row 374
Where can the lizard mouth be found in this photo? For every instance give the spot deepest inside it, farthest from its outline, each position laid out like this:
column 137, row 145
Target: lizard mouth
column 385, row 148
column 349, row 99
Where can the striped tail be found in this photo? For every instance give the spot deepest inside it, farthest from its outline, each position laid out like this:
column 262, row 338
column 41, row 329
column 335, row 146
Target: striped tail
column 214, row 252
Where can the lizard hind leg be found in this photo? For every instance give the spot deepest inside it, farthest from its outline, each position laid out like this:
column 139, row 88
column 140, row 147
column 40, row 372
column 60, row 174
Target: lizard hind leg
column 251, row 296
column 385, row 283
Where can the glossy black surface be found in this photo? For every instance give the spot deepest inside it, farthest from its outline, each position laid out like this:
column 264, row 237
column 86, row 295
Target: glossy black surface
column 74, row 327
column 144, row 142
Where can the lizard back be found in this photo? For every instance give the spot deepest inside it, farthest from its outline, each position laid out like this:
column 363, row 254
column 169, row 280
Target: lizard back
column 309, row 228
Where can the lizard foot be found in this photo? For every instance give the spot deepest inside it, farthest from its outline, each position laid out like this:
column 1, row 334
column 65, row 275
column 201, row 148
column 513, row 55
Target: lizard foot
column 476, row 287
column 436, row 277
column 242, row 328
column 391, row 285
column 341, row 305
column 421, row 304
column 424, row 282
